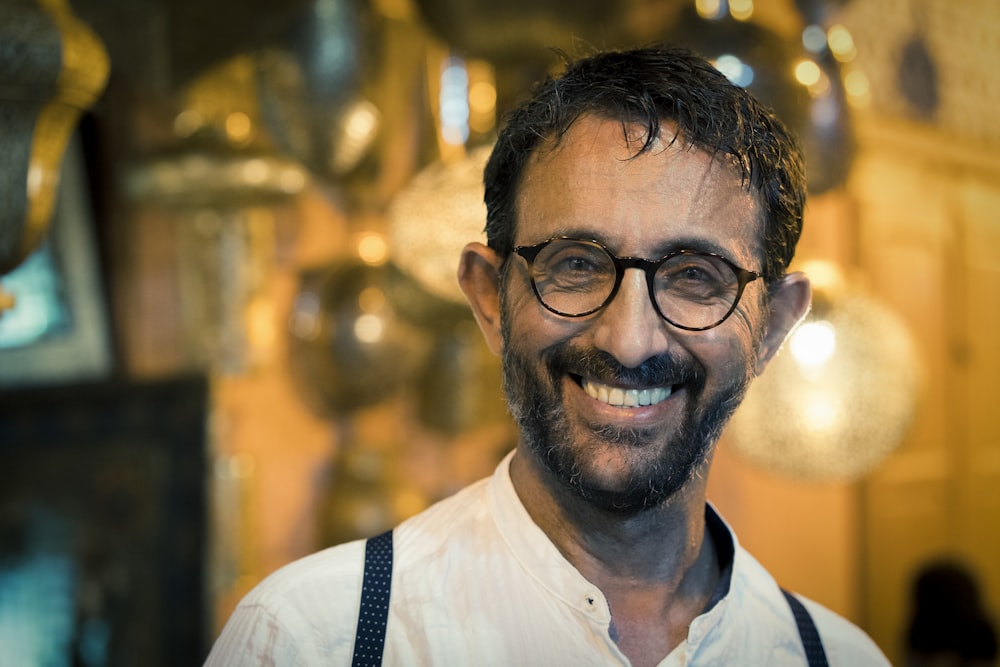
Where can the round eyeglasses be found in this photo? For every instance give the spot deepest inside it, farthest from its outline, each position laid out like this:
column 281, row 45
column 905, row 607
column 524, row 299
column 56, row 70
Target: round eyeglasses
column 690, row 290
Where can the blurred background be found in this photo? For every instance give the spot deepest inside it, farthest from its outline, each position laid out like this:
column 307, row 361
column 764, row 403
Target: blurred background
column 230, row 332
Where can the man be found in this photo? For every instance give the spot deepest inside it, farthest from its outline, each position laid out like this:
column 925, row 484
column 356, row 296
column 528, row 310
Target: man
column 642, row 212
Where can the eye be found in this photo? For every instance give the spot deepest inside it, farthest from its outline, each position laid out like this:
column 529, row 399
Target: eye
column 568, row 263
column 569, row 257
column 692, row 273
column 694, row 276
column 573, row 265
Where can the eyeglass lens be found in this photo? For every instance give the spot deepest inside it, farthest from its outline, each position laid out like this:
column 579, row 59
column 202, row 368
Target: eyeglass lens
column 574, row 278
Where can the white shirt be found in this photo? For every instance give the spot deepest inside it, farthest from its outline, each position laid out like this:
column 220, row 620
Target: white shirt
column 476, row 582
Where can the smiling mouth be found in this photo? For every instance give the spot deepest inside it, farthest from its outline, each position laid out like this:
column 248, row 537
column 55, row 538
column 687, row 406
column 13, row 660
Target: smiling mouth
column 626, row 398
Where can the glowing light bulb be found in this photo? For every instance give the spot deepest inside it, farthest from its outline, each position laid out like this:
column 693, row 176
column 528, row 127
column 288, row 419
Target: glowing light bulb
column 841, row 43
column 813, row 343
column 369, row 328
column 808, row 72
column 373, row 249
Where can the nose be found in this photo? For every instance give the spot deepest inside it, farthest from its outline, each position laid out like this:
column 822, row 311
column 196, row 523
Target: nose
column 629, row 327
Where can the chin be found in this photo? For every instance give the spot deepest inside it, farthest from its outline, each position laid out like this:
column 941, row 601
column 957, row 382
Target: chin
column 629, row 476
column 644, row 491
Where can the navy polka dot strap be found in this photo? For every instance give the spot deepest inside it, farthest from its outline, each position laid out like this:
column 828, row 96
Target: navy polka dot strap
column 815, row 654
column 369, row 640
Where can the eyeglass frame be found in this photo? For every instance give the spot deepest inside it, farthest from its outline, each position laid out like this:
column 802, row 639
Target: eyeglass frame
column 648, row 266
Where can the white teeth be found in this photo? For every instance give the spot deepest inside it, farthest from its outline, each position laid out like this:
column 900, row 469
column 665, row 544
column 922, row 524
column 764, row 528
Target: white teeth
column 616, row 396
column 625, row 397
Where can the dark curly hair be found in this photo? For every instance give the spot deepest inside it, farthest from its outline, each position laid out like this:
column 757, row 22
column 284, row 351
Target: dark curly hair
column 649, row 86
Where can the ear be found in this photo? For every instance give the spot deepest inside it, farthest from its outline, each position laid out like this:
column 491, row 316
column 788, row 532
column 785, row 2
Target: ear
column 479, row 277
column 789, row 302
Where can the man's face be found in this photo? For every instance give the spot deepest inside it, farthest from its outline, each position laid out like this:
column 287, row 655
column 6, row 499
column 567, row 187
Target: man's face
column 566, row 379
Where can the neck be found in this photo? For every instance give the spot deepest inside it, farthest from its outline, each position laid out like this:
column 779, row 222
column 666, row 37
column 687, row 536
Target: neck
column 655, row 567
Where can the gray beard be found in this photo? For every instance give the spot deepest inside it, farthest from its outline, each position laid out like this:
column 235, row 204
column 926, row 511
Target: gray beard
column 544, row 426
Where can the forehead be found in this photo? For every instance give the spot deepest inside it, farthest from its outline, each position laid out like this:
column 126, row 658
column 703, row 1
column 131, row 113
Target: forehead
column 594, row 183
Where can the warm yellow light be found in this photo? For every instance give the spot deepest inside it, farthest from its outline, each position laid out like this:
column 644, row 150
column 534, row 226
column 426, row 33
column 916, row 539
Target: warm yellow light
column 708, row 9
column 813, row 343
column 36, row 178
column 362, row 121
column 839, row 419
column 741, row 10
column 238, row 126
column 255, row 171
column 824, row 275
column 372, row 249
column 841, row 43
column 358, row 128
column 291, row 181
column 821, row 414
column 369, row 328
column 857, row 87
column 808, row 73
column 260, row 327
column 482, row 97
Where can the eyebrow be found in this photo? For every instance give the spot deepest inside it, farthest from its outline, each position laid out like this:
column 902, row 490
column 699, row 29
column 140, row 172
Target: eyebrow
column 690, row 243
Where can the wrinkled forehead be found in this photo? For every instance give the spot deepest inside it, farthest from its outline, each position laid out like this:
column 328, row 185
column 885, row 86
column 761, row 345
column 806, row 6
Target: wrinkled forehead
column 595, row 138
column 635, row 138
column 603, row 170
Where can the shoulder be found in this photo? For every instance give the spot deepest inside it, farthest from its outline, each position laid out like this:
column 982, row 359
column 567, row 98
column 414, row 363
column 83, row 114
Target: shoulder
column 307, row 611
column 302, row 613
column 845, row 643
column 308, row 579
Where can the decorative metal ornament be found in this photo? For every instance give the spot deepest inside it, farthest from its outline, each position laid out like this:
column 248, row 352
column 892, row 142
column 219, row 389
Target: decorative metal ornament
column 434, row 216
column 762, row 62
column 52, row 68
column 838, row 398
column 356, row 337
column 310, row 92
column 520, row 30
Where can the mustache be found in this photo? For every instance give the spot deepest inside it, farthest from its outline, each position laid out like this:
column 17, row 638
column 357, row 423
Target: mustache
column 661, row 370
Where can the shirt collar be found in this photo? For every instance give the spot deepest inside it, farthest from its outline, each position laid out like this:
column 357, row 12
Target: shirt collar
column 546, row 564
column 535, row 552
column 725, row 548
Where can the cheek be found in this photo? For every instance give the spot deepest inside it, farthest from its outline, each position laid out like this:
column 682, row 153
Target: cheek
column 519, row 304
column 730, row 348
column 515, row 313
column 749, row 323
column 526, row 322
column 747, row 333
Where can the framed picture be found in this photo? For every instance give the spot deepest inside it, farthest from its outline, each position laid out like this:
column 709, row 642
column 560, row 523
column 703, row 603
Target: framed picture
column 103, row 523
column 57, row 331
